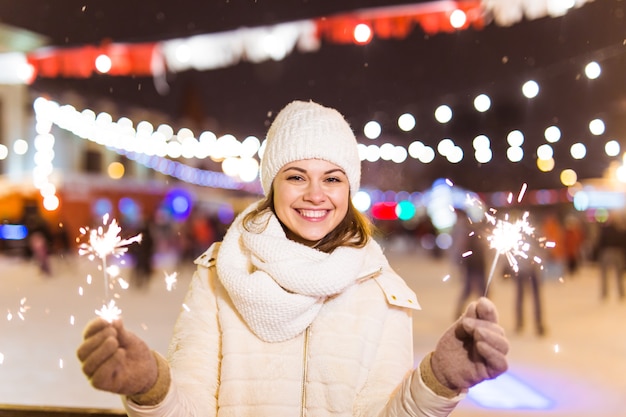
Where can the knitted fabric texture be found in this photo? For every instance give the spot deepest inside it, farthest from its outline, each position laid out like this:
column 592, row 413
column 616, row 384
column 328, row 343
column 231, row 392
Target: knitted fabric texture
column 278, row 286
column 307, row 130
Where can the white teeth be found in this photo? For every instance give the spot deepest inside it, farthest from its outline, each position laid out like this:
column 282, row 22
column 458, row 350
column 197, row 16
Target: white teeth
column 313, row 213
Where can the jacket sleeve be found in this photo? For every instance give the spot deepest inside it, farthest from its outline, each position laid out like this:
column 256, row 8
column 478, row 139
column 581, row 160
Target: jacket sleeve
column 394, row 371
column 193, row 353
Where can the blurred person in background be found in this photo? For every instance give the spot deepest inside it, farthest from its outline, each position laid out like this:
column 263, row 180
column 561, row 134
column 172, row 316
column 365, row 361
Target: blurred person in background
column 297, row 310
column 202, row 233
column 39, row 238
column 554, row 262
column 573, row 241
column 470, row 251
column 143, row 254
column 611, row 250
column 528, row 277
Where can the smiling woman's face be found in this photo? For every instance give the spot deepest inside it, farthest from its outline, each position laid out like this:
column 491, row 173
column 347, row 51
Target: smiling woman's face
column 311, row 198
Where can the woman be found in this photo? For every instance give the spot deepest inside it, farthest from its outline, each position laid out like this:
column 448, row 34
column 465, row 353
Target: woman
column 297, row 312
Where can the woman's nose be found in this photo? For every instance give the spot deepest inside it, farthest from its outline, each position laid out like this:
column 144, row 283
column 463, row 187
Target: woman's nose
column 315, row 193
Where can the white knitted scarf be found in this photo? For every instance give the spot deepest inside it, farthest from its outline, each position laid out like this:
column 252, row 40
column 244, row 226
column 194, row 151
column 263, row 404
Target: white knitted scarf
column 277, row 285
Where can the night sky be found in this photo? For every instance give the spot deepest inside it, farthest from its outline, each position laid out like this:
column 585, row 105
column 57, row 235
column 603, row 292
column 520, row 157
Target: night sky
column 380, row 80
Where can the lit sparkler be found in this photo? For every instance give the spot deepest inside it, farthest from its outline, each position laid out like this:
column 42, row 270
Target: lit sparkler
column 509, row 239
column 109, row 312
column 101, row 244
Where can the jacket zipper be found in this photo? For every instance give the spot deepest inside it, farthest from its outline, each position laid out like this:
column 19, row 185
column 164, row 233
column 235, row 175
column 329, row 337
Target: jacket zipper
column 305, row 350
column 305, row 366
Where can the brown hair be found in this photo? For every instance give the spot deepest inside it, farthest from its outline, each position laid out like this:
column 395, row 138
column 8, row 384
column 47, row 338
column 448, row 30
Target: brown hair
column 355, row 230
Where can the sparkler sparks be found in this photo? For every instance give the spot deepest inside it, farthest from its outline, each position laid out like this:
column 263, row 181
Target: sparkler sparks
column 104, row 243
column 21, row 311
column 109, row 312
column 512, row 239
column 509, row 239
column 101, row 244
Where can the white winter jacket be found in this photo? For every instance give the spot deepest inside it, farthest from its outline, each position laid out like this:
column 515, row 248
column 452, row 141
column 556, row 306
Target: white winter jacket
column 355, row 359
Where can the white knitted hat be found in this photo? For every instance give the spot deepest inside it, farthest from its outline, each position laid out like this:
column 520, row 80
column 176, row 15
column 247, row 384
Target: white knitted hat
column 307, row 130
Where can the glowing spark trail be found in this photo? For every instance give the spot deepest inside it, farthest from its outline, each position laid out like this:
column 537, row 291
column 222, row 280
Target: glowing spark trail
column 170, row 280
column 102, row 244
column 23, row 308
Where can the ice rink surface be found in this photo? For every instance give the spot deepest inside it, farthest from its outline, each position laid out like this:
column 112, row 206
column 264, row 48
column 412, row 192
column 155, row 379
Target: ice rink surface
column 577, row 369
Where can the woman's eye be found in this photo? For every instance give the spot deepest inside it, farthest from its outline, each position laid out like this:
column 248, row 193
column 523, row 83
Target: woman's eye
column 333, row 179
column 294, row 178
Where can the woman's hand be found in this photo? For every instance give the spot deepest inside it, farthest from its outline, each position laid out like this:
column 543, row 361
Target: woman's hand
column 473, row 349
column 116, row 360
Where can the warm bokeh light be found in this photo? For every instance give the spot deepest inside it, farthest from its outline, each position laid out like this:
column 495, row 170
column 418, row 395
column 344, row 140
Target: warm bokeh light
column 372, row 153
column 443, row 114
column 545, row 152
column 418, row 150
column 455, row 155
column 399, row 154
column 481, row 141
column 406, row 122
column 372, row 129
column 427, row 155
column 568, row 177
column 249, row 147
column 483, row 155
column 593, row 70
column 51, row 203
column 515, row 153
column 103, row 64
column 415, row 148
column 272, row 47
column 482, row 103
column 168, row 132
column 174, row 149
column 458, row 19
column 182, row 53
column 515, row 138
column 362, row 201
column 578, row 150
column 20, row 147
column 530, row 89
column 386, row 151
column 445, row 146
column 363, row 33
column 552, row 134
column 115, row 170
column 612, row 148
column 597, row 127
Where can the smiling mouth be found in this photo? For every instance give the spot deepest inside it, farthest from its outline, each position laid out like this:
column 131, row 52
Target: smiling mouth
column 313, row 214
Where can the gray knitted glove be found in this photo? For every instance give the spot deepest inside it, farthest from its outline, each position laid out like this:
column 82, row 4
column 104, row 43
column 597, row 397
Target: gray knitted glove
column 116, row 360
column 473, row 349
